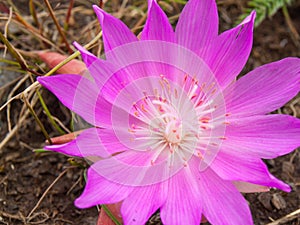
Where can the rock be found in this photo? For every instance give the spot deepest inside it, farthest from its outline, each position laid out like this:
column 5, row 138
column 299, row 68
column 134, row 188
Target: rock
column 278, row 201
column 265, row 200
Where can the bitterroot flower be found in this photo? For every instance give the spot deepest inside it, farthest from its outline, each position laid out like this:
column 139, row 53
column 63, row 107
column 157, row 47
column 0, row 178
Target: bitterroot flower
column 172, row 128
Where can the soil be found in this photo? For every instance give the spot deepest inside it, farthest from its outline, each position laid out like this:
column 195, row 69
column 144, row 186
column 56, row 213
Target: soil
column 47, row 183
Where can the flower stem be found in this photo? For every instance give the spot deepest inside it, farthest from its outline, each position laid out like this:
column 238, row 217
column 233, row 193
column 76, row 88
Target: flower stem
column 52, row 121
column 110, row 215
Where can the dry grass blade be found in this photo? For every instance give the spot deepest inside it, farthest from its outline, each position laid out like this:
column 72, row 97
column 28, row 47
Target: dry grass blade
column 6, row 27
column 20, row 19
column 294, row 33
column 47, row 190
column 33, row 13
column 66, row 25
column 286, row 218
column 18, row 85
column 47, row 112
column 36, row 84
column 34, row 87
column 37, row 119
column 44, row 216
column 29, row 29
column 18, row 96
column 18, row 216
column 62, row 34
column 17, row 55
column 13, row 130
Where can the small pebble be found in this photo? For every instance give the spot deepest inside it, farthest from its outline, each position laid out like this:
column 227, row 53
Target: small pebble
column 278, row 201
column 265, row 200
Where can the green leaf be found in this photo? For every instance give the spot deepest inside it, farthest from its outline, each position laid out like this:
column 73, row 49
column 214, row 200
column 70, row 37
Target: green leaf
column 264, row 9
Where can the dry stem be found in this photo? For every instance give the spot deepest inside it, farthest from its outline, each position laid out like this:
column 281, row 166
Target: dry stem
column 286, row 218
column 47, row 190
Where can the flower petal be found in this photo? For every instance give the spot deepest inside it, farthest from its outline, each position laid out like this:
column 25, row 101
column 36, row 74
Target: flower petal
column 115, row 32
column 238, row 167
column 81, row 96
column 91, row 142
column 127, row 163
column 87, row 57
column 100, row 70
column 183, row 205
column 157, row 26
column 222, row 202
column 111, row 180
column 264, row 89
column 267, row 136
column 229, row 52
column 144, row 60
column 135, row 211
column 99, row 190
column 197, row 24
column 246, row 187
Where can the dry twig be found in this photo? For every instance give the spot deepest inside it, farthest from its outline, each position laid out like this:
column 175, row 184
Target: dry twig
column 286, row 218
column 6, row 28
column 12, row 92
column 62, row 34
column 47, row 190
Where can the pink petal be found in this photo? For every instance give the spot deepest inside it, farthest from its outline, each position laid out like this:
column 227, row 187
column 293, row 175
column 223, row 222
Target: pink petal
column 100, row 70
column 264, row 89
column 142, row 63
column 157, row 26
column 222, row 202
column 115, row 32
column 91, row 142
column 246, row 187
column 229, row 52
column 99, row 190
column 87, row 57
column 263, row 136
column 238, row 167
column 137, row 167
column 143, row 202
column 129, row 84
column 197, row 24
column 184, row 204
column 81, row 96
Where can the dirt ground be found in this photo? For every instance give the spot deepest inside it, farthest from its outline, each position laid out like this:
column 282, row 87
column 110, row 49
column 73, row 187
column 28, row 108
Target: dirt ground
column 40, row 187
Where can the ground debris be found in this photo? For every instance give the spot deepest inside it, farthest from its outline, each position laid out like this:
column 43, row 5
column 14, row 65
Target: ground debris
column 278, row 201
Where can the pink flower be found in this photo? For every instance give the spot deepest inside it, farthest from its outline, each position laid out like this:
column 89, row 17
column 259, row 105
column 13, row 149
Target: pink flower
column 172, row 128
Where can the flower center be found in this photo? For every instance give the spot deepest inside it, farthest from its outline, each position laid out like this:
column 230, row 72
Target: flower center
column 176, row 122
column 173, row 131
